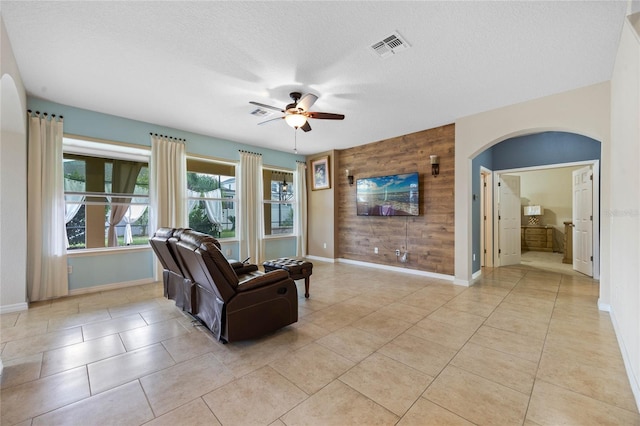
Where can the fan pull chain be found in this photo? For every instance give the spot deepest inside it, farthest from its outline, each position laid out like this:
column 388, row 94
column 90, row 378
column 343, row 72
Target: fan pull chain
column 295, row 140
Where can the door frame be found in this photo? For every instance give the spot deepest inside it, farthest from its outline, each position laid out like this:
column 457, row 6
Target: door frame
column 486, row 211
column 595, row 167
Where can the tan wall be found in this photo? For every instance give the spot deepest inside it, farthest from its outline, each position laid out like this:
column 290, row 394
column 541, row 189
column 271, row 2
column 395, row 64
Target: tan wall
column 584, row 111
column 428, row 238
column 321, row 212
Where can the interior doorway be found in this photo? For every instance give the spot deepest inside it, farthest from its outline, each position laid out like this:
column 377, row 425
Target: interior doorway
column 554, row 215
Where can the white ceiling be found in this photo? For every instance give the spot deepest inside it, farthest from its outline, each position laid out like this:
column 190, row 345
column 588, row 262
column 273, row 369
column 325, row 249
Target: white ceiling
column 196, row 65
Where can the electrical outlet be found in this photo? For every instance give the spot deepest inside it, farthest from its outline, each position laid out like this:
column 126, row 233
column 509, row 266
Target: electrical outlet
column 375, row 250
column 69, row 269
column 397, row 252
column 324, row 245
column 474, row 257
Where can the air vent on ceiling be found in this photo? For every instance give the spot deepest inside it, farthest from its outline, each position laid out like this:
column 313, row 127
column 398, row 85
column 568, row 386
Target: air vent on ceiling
column 390, row 45
column 259, row 112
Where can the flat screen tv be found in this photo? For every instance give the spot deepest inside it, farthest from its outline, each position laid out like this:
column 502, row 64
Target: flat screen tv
column 393, row 195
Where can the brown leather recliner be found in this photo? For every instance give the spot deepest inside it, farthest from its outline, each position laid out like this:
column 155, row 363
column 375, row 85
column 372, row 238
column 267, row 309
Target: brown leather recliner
column 173, row 277
column 236, row 307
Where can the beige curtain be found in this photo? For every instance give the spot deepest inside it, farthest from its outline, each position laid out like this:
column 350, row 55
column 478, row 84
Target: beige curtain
column 46, row 235
column 250, row 194
column 168, row 183
column 123, row 181
column 300, row 220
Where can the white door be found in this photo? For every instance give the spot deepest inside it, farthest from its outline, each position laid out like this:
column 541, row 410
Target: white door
column 583, row 220
column 509, row 220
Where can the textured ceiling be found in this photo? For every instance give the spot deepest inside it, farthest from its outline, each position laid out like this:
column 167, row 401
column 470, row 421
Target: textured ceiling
column 196, row 65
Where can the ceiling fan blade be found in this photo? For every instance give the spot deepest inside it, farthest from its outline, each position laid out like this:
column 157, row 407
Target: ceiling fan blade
column 270, row 120
column 307, row 101
column 266, row 106
column 325, row 115
column 306, row 127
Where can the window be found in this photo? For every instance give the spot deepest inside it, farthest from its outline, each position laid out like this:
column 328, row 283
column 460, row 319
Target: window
column 106, row 191
column 211, row 191
column 279, row 202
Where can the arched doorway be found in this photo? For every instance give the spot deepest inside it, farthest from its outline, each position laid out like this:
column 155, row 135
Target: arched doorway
column 550, row 150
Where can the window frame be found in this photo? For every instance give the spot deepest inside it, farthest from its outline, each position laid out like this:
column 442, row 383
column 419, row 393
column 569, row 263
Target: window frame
column 291, row 201
column 235, row 200
column 108, row 150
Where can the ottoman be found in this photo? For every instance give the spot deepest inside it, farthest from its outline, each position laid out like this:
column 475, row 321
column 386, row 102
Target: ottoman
column 297, row 268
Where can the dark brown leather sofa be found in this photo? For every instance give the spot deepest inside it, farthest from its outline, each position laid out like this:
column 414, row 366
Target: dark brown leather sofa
column 233, row 299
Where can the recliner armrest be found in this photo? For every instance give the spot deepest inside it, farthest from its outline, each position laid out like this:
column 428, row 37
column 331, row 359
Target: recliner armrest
column 243, row 268
column 253, row 282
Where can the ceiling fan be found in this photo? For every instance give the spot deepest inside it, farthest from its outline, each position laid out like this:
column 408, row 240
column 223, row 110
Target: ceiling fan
column 297, row 112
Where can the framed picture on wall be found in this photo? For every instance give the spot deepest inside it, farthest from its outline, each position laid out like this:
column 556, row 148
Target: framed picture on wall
column 320, row 173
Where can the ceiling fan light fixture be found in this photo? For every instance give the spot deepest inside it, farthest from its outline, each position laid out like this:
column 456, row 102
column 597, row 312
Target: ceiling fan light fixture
column 295, row 120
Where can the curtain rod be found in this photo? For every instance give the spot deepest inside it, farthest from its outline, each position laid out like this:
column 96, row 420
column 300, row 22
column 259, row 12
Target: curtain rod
column 44, row 113
column 249, row 152
column 169, row 137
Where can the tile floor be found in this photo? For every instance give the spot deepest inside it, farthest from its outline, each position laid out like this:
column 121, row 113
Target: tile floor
column 522, row 347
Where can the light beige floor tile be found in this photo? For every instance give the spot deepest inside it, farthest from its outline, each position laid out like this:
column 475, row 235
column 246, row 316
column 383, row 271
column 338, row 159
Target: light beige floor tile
column 474, row 303
column 517, row 324
column 174, row 386
column 552, row 405
column 389, row 383
column 29, row 329
column 71, row 356
column 8, row 320
column 132, row 308
column 458, row 319
column 112, row 326
column 338, row 404
column 441, row 333
column 154, row 333
column 123, row 368
column 191, row 345
column 509, row 342
column 352, row 343
column 78, row 319
column 477, row 399
column 194, row 413
column 526, row 300
column 271, row 396
column 404, row 312
column 423, row 355
column 604, row 384
column 31, row 399
column 41, row 343
column 160, row 313
column 312, row 367
column 426, row 413
column 21, row 370
column 508, row 370
column 125, row 404
column 531, row 313
column 381, row 325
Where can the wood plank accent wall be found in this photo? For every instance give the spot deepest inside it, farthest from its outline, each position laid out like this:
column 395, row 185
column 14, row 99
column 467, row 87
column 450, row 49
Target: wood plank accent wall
column 429, row 238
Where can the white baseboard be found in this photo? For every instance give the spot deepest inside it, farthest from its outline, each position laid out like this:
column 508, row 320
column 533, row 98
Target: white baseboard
column 634, row 382
column 112, row 286
column 16, row 307
column 321, row 259
column 463, row 283
column 604, row 306
column 397, row 269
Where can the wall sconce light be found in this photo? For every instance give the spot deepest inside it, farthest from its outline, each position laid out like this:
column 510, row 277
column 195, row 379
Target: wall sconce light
column 284, row 186
column 349, row 177
column 435, row 165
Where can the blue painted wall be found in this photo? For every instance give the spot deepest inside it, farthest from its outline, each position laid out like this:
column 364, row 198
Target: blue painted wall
column 539, row 149
column 93, row 269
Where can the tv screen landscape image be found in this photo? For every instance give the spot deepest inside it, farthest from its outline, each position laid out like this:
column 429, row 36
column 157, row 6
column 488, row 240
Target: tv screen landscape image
column 393, row 195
